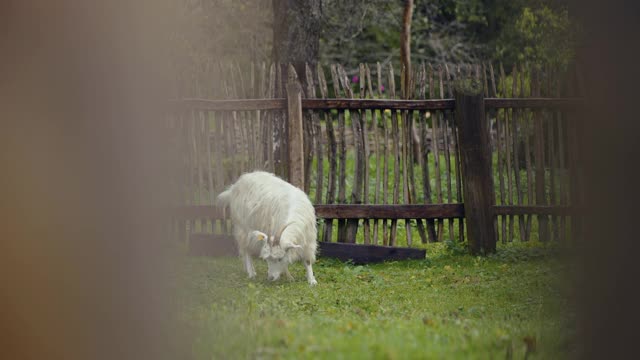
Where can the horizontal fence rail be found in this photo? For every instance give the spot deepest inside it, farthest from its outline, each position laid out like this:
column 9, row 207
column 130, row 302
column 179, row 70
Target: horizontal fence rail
column 373, row 211
column 359, row 104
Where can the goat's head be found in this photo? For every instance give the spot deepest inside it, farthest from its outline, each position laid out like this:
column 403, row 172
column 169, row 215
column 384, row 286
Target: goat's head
column 275, row 252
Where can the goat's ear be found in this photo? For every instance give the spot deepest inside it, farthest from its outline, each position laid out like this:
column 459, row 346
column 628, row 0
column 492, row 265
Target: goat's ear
column 293, row 246
column 259, row 236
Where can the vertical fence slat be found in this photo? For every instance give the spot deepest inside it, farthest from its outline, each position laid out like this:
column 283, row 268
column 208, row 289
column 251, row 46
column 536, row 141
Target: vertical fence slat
column 308, row 123
column 435, row 146
column 376, row 140
column 396, row 158
column 405, row 144
column 461, row 222
column 318, row 141
column 365, row 159
column 502, row 231
column 295, row 149
column 508, row 150
column 201, row 149
column 418, row 93
column 424, row 158
column 332, row 149
column 342, row 154
column 447, row 153
column 385, row 184
column 356, row 189
column 526, row 126
column 198, row 194
column 515, row 114
column 543, row 230
column 187, row 176
column 551, row 159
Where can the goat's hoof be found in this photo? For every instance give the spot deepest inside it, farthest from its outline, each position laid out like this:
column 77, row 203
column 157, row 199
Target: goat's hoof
column 313, row 282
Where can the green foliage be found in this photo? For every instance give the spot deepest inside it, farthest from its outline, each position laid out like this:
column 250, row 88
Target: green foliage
column 452, row 31
column 540, row 35
column 456, row 248
column 446, row 306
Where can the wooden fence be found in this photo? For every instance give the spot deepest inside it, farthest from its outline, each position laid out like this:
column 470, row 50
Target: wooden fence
column 384, row 166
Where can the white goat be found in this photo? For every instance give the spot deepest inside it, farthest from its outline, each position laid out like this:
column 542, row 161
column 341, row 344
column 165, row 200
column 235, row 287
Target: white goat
column 262, row 203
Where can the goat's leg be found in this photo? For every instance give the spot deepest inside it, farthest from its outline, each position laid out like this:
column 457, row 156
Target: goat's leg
column 248, row 265
column 310, row 278
column 288, row 274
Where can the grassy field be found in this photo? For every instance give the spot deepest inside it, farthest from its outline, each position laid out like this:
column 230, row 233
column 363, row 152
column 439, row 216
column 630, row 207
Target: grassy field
column 509, row 305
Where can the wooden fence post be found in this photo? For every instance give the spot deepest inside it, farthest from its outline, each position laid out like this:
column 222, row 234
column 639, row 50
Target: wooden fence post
column 294, row 127
column 475, row 158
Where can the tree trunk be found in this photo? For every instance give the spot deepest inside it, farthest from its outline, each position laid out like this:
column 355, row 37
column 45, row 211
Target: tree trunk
column 405, row 47
column 405, row 58
column 296, row 41
column 296, row 33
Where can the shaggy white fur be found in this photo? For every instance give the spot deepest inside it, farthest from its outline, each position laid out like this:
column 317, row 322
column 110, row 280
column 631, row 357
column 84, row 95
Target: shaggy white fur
column 273, row 220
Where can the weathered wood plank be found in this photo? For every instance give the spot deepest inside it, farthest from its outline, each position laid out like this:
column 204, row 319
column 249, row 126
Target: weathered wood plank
column 381, row 104
column 416, row 211
column 224, row 245
column 476, row 166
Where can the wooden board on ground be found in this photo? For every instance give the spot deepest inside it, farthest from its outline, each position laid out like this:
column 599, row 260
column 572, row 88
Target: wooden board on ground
column 223, row 245
column 367, row 254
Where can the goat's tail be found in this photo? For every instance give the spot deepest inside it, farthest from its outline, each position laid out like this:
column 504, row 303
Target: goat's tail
column 224, row 198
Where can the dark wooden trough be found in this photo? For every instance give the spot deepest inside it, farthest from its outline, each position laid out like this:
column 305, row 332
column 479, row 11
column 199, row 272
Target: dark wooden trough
column 224, row 245
column 366, row 254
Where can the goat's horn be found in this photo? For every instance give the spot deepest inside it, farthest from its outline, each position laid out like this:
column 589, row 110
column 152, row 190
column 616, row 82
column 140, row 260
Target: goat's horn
column 277, row 237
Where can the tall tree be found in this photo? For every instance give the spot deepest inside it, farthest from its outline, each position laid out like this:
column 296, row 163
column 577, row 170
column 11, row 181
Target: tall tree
column 296, row 32
column 405, row 45
column 296, row 40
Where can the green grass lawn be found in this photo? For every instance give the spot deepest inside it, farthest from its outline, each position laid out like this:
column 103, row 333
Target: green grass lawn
column 509, row 305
